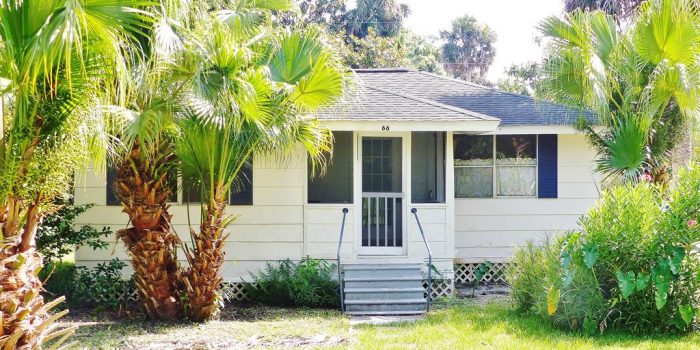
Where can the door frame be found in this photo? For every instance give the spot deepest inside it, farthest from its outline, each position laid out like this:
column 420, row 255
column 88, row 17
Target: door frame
column 405, row 191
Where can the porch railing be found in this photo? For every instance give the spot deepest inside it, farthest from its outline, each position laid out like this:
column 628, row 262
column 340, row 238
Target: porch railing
column 381, row 219
column 430, row 257
column 340, row 245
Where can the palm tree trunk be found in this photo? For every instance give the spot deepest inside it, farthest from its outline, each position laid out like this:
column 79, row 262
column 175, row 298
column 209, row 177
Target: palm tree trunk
column 25, row 320
column 203, row 279
column 150, row 242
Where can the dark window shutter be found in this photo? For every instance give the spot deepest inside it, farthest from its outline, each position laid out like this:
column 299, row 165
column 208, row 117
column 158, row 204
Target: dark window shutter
column 111, row 176
column 242, row 191
column 547, row 166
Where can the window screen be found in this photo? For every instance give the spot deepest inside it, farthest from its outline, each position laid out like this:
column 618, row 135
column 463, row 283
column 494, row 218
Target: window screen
column 335, row 185
column 428, row 167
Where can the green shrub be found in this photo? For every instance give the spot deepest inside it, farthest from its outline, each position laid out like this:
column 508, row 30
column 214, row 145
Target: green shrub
column 632, row 266
column 102, row 286
column 59, row 279
column 308, row 283
column 57, row 236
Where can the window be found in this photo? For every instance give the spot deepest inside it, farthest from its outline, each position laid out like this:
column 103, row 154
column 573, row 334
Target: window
column 241, row 192
column 500, row 166
column 112, row 198
column 473, row 157
column 428, row 167
column 335, row 185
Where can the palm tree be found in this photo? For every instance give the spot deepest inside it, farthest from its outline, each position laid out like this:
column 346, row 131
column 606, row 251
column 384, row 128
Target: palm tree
column 146, row 165
column 59, row 61
column 643, row 82
column 254, row 90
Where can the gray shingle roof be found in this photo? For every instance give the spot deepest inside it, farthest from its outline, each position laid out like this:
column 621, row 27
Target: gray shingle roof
column 406, row 94
column 375, row 103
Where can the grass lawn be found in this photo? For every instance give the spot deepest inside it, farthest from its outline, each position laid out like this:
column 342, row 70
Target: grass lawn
column 454, row 325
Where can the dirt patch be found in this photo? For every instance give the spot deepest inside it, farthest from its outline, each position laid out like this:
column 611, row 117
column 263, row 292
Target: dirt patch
column 483, row 294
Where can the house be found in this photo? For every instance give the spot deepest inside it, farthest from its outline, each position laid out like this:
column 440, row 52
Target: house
column 485, row 170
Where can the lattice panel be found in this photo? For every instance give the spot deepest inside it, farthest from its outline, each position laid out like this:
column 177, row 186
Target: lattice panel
column 234, row 291
column 464, row 273
column 441, row 288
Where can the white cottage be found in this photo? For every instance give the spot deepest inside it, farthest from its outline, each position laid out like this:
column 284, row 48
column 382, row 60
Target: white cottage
column 485, row 170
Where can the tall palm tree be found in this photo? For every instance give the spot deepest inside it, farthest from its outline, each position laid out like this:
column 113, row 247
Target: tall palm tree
column 59, row 61
column 642, row 82
column 146, row 165
column 254, row 90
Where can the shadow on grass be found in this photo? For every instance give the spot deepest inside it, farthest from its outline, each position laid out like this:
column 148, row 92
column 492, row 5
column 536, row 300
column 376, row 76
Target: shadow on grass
column 109, row 330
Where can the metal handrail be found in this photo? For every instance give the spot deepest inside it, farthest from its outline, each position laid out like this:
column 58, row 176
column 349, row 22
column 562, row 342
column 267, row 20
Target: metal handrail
column 340, row 243
column 430, row 257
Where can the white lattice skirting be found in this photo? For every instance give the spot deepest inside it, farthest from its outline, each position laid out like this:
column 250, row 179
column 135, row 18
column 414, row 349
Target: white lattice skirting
column 236, row 291
column 464, row 273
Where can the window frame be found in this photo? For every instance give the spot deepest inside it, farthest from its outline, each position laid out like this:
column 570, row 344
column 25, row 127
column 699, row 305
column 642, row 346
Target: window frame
column 494, row 166
column 353, row 165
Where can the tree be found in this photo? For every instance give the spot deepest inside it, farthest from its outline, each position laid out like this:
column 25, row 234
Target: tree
column 374, row 51
column 330, row 14
column 60, row 61
column 146, row 164
column 642, row 82
column 423, row 53
column 254, row 89
column 469, row 49
column 619, row 9
column 521, row 78
column 385, row 16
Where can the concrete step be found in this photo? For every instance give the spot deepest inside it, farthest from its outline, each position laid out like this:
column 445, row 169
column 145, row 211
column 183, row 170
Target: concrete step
column 359, row 266
column 386, row 306
column 383, row 282
column 382, row 313
column 383, row 272
column 383, row 293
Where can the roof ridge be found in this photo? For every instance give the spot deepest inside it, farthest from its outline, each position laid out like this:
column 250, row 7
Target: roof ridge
column 468, row 83
column 438, row 104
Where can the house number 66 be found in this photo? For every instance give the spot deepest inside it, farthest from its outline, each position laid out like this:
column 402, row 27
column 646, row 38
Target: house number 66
column 385, row 127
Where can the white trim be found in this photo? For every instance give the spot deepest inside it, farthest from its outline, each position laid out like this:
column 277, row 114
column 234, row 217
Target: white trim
column 407, row 125
column 534, row 129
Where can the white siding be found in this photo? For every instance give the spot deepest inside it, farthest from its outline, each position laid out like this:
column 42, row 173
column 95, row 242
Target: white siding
column 490, row 228
column 269, row 230
column 281, row 225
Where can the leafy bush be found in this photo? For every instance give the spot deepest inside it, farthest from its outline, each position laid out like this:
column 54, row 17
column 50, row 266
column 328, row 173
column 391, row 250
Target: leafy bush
column 59, row 279
column 102, row 286
column 632, row 266
column 308, row 283
column 57, row 237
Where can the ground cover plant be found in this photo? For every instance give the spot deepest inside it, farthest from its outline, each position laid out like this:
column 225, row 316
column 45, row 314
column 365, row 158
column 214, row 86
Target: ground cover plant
column 632, row 266
column 307, row 283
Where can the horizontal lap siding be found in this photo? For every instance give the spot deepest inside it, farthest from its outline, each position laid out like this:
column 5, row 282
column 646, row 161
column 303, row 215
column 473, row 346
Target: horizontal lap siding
column 490, row 229
column 270, row 230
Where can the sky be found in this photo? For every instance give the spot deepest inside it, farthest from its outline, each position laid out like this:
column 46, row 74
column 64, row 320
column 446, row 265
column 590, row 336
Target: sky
column 514, row 22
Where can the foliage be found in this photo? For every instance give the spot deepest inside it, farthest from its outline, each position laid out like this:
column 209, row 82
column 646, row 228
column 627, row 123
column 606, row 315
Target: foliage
column 61, row 62
column 57, row 237
column 59, row 279
column 521, row 79
column 619, row 9
column 308, row 283
column 479, row 273
column 632, row 266
column 384, row 16
column 423, row 53
column 642, row 82
column 374, row 51
column 469, row 49
column 102, row 286
column 254, row 90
